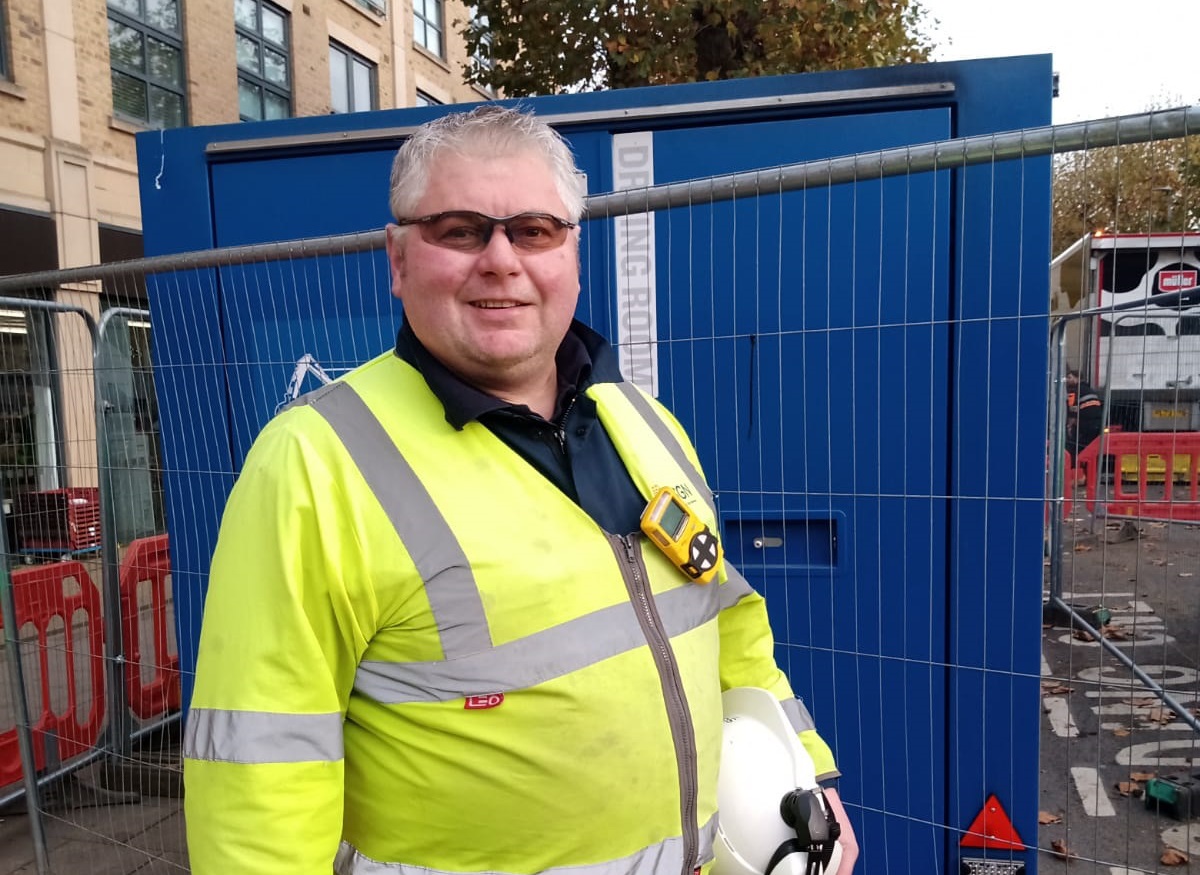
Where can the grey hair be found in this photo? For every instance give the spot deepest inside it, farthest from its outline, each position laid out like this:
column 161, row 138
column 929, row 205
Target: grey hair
column 486, row 130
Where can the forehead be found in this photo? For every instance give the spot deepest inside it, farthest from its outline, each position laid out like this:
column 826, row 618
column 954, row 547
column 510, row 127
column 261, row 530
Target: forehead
column 496, row 184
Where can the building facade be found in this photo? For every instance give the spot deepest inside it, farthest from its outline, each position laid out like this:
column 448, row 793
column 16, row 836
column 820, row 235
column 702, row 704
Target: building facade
column 78, row 80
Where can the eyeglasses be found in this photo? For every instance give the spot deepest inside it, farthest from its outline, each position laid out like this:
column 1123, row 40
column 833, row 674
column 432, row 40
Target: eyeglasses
column 469, row 231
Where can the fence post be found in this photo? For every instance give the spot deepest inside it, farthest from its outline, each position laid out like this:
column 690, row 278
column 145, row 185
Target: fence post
column 120, row 724
column 12, row 642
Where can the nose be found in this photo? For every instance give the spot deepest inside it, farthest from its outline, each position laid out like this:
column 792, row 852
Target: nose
column 499, row 256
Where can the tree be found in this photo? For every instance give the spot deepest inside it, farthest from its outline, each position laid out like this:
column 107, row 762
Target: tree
column 1139, row 188
column 546, row 46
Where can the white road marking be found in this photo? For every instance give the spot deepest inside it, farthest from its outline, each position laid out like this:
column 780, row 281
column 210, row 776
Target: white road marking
column 1045, row 667
column 1061, row 722
column 1185, row 836
column 1095, row 800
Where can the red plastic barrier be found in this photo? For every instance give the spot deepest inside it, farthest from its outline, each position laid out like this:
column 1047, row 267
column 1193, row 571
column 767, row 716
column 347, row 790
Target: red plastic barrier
column 1139, row 502
column 148, row 560
column 41, row 594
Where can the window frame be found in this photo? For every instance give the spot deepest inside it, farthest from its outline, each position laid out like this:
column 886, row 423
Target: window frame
column 259, row 79
column 147, row 31
column 420, row 18
column 424, row 98
column 379, row 7
column 352, row 57
column 6, row 73
column 482, row 58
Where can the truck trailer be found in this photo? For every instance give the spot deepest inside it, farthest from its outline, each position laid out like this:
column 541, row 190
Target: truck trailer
column 1143, row 355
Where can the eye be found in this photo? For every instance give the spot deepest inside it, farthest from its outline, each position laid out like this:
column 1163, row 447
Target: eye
column 535, row 231
column 459, row 232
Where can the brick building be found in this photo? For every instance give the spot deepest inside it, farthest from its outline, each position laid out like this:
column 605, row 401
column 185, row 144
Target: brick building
column 78, row 79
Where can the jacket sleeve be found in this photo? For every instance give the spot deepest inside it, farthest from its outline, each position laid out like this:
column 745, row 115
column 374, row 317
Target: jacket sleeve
column 282, row 635
column 748, row 660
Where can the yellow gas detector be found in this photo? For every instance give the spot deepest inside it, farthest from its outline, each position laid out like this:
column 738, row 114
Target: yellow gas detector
column 682, row 536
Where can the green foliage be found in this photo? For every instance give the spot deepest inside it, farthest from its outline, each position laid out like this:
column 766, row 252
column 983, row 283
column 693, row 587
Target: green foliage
column 1139, row 188
column 548, row 46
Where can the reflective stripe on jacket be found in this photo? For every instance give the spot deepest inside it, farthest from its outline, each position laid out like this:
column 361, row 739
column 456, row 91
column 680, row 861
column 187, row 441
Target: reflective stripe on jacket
column 417, row 649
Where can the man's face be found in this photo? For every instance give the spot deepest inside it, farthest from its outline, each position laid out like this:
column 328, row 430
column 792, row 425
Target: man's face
column 497, row 316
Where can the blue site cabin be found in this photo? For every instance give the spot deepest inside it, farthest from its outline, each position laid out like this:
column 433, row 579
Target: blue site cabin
column 862, row 367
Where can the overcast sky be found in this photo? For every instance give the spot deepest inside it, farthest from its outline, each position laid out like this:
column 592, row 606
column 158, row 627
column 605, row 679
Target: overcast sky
column 1109, row 63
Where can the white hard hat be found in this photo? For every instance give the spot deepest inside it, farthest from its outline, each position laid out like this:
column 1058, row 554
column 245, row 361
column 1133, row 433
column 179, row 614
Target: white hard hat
column 767, row 775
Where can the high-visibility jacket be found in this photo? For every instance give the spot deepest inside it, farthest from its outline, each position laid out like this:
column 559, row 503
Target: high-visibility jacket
column 419, row 656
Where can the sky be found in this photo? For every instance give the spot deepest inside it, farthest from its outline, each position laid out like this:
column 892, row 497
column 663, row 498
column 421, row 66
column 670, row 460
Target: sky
column 1108, row 63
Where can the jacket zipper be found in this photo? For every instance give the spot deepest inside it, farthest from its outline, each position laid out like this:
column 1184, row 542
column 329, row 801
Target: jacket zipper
column 683, row 734
column 560, row 425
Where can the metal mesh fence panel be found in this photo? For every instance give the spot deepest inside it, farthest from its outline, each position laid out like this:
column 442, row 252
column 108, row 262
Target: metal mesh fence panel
column 810, row 327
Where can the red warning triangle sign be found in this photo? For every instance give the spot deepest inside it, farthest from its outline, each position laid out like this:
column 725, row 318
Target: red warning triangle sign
column 992, row 829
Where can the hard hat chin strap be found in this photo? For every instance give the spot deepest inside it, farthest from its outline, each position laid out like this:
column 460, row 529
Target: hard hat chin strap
column 817, row 830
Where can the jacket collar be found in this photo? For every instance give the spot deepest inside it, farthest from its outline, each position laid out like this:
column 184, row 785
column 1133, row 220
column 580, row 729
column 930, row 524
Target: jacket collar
column 583, row 358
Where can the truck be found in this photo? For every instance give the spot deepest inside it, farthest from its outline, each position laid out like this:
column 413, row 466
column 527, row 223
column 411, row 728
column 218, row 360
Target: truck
column 1143, row 356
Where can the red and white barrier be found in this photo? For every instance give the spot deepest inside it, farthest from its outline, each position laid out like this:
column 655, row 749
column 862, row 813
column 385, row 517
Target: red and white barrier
column 63, row 595
column 62, row 591
column 147, row 561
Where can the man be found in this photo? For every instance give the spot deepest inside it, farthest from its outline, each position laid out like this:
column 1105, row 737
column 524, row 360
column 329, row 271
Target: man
column 435, row 640
column 1085, row 415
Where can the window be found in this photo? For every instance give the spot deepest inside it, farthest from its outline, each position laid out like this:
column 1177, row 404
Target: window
column 263, row 56
column 146, row 54
column 30, row 445
column 424, row 99
column 5, row 64
column 482, row 59
column 427, row 25
column 351, row 80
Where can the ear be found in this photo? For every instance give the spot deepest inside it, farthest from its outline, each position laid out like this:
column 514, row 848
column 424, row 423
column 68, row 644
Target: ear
column 395, row 253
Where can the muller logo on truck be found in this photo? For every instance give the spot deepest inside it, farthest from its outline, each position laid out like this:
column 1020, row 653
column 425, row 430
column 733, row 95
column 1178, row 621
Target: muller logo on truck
column 1175, row 281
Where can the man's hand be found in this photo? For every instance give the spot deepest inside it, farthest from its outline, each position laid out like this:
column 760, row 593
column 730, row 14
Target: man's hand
column 847, row 840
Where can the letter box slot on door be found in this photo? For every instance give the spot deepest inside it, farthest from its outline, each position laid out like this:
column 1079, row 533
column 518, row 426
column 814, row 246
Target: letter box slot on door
column 807, row 543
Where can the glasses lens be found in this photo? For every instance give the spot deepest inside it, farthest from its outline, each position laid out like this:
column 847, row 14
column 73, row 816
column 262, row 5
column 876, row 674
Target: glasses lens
column 467, row 232
column 535, row 232
column 470, row 232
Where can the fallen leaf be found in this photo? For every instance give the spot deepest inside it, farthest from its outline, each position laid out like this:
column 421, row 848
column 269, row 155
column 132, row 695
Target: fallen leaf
column 1173, row 857
column 1159, row 562
column 1060, row 850
column 1120, row 733
column 1083, row 548
column 1129, row 788
column 1147, row 702
column 1054, row 688
column 1141, row 776
column 1160, row 715
column 1047, row 817
column 1081, row 635
column 1113, row 632
column 1158, row 525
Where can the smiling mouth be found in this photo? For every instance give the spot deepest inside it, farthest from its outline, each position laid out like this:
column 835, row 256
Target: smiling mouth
column 496, row 305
